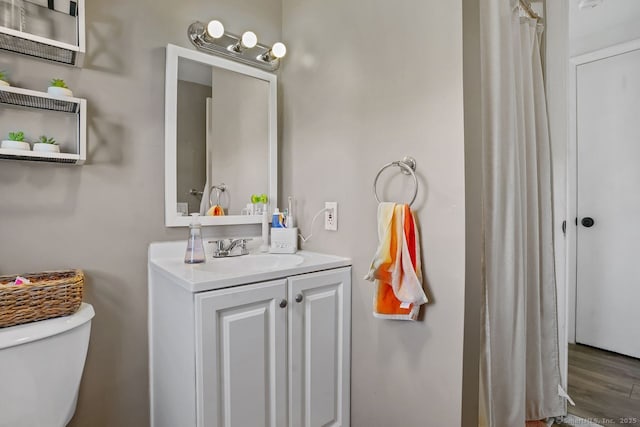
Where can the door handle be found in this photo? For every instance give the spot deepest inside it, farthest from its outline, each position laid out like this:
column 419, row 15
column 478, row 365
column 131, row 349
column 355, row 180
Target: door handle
column 299, row 298
column 587, row 222
column 283, row 303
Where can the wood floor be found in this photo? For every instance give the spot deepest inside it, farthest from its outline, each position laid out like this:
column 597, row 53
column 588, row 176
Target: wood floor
column 605, row 386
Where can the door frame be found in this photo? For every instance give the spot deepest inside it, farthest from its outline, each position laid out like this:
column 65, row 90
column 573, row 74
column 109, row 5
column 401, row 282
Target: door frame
column 572, row 176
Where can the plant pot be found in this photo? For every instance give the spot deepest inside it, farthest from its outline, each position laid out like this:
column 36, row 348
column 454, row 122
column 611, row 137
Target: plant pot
column 15, row 145
column 3, row 83
column 49, row 148
column 59, row 91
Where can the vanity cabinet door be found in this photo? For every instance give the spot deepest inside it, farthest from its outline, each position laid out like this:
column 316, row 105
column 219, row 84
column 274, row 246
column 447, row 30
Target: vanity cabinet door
column 319, row 348
column 241, row 356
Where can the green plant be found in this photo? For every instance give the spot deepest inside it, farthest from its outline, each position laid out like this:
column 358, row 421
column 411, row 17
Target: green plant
column 44, row 140
column 3, row 75
column 16, row 136
column 58, row 83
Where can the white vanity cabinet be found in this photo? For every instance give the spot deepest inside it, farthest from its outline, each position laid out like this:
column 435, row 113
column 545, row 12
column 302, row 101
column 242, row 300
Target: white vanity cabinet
column 274, row 353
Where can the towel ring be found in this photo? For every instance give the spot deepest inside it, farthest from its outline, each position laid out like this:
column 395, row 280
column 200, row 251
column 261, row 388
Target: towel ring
column 218, row 189
column 407, row 166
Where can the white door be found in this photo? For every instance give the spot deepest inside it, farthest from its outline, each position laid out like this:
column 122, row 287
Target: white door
column 241, row 356
column 608, row 238
column 320, row 339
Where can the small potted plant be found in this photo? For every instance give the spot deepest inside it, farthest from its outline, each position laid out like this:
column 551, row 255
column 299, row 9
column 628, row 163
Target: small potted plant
column 57, row 87
column 16, row 142
column 3, row 78
column 46, row 144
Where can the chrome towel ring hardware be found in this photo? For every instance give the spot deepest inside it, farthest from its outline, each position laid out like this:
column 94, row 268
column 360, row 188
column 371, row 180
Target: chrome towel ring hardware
column 221, row 188
column 407, row 166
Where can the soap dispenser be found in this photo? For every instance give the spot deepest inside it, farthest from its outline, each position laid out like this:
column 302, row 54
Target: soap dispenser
column 195, row 247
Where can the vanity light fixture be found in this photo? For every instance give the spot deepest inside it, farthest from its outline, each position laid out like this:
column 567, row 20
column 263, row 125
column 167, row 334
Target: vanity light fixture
column 212, row 38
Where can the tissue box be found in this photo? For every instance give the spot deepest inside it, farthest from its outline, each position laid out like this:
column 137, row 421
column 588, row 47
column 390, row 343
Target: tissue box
column 284, row 241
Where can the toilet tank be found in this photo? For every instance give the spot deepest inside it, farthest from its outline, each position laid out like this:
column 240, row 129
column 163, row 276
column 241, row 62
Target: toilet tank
column 41, row 365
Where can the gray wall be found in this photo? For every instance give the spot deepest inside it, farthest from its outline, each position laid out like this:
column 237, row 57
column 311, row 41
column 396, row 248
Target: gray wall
column 102, row 216
column 365, row 83
column 473, row 210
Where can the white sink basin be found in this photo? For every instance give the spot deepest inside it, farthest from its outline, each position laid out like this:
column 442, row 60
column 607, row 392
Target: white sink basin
column 250, row 263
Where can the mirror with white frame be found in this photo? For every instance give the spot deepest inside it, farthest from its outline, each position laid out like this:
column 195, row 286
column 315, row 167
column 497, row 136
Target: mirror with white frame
column 220, row 139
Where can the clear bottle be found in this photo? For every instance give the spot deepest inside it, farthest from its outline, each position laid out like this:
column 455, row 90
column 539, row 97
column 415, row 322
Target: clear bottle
column 195, row 247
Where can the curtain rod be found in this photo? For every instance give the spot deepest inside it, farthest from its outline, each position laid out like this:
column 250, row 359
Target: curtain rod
column 527, row 8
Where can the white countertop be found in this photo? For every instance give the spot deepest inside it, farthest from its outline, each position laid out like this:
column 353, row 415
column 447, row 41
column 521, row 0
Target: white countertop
column 167, row 258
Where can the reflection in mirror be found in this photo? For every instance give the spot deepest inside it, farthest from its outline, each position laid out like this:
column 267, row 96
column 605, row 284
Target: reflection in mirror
column 224, row 149
column 222, row 138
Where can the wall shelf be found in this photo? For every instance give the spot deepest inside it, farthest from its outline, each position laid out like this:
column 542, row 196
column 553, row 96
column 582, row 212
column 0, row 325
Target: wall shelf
column 38, row 47
column 27, row 98
column 44, row 48
column 39, row 156
column 30, row 99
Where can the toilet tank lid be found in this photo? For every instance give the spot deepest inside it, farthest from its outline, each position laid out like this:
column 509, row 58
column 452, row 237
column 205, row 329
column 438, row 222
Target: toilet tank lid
column 22, row 334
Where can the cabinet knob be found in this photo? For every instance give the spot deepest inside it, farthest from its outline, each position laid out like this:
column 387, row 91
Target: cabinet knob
column 283, row 303
column 587, row 221
column 299, row 298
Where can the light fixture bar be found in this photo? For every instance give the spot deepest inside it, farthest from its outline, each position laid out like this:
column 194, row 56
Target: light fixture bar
column 257, row 56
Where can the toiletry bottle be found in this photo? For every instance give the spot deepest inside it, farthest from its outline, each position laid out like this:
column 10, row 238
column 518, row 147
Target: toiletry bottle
column 260, row 203
column 12, row 14
column 195, row 247
column 257, row 207
column 276, row 221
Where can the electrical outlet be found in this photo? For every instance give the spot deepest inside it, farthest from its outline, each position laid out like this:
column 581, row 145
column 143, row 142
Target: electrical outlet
column 331, row 216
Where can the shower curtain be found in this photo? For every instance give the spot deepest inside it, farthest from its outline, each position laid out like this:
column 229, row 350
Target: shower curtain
column 520, row 371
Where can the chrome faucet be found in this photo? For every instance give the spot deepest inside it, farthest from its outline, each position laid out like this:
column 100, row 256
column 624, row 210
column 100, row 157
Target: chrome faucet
column 222, row 250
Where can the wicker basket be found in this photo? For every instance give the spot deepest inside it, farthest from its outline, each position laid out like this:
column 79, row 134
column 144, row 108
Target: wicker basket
column 50, row 294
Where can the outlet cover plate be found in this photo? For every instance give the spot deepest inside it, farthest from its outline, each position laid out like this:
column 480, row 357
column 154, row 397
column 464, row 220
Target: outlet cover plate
column 331, row 217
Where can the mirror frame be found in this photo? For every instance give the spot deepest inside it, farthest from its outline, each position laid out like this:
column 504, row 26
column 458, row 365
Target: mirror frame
column 174, row 53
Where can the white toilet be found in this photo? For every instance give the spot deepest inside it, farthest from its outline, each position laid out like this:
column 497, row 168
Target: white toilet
column 41, row 365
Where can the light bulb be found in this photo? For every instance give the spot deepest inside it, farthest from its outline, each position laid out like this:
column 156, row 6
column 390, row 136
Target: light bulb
column 215, row 29
column 278, row 50
column 249, row 39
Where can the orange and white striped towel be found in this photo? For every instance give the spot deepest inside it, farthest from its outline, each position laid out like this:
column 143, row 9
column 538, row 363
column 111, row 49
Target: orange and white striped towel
column 396, row 267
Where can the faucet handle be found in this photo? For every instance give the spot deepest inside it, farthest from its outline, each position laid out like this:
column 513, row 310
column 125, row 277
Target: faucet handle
column 242, row 243
column 243, row 246
column 219, row 243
